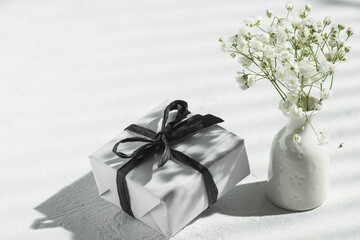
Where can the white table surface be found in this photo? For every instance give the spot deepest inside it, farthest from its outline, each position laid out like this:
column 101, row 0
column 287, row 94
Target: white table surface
column 75, row 73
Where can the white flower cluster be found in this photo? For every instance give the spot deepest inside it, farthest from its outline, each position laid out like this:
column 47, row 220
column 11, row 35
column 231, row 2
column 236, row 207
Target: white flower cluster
column 296, row 54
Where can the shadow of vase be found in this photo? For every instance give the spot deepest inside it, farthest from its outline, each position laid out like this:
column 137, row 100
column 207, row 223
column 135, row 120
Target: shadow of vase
column 246, row 200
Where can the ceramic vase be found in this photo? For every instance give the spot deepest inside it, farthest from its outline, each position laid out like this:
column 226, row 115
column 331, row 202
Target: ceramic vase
column 298, row 176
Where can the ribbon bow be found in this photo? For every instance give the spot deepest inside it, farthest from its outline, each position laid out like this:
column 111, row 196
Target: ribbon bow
column 178, row 128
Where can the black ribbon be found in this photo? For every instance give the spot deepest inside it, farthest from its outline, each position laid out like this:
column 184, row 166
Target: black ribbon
column 178, row 128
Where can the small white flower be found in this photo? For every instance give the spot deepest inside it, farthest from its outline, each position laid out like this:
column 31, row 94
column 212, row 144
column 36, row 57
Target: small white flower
column 283, row 46
column 290, row 109
column 349, row 31
column 341, row 26
column 306, row 32
column 334, row 29
column 232, row 39
column 246, row 62
column 281, row 73
column 258, row 20
column 297, row 112
column 324, row 67
column 269, row 13
column 307, row 68
column 327, row 21
column 269, row 52
column 244, row 31
column 280, row 33
column 296, row 23
column 249, row 21
column 293, row 83
column 296, row 138
column 325, row 93
column 285, row 23
column 251, row 81
column 319, row 24
column 308, row 21
column 323, row 137
column 264, row 38
column 339, row 43
column 289, row 6
column 283, row 106
column 303, row 13
column 332, row 68
column 241, row 44
column 241, row 79
column 257, row 46
column 330, row 56
column 284, row 55
column 225, row 46
column 318, row 38
column 292, row 96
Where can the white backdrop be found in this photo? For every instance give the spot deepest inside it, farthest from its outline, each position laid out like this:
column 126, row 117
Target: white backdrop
column 75, row 73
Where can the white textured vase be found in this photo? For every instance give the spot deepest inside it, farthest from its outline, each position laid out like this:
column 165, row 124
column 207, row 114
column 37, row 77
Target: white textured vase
column 298, row 177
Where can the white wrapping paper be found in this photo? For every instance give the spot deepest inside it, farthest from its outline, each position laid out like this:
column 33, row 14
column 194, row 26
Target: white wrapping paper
column 169, row 197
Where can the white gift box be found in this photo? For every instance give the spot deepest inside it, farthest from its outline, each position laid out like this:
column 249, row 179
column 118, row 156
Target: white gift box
column 168, row 198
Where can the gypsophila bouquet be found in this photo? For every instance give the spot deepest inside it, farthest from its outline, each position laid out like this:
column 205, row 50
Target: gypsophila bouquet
column 296, row 54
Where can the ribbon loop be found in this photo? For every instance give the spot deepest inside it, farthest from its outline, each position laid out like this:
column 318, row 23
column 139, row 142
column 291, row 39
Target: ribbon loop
column 178, row 128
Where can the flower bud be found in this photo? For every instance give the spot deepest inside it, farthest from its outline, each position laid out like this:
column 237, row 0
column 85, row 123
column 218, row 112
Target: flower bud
column 327, row 21
column 349, row 31
column 341, row 27
column 289, row 6
column 330, row 56
column 342, row 55
column 296, row 138
column 334, row 29
column 269, row 13
column 319, row 24
column 339, row 43
column 225, row 46
column 303, row 14
column 258, row 20
column 241, row 79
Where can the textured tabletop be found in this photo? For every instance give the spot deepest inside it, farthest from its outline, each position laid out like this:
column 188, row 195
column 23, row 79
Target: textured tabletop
column 73, row 74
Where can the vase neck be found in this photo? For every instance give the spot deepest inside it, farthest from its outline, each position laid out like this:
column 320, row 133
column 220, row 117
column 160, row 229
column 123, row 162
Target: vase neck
column 295, row 123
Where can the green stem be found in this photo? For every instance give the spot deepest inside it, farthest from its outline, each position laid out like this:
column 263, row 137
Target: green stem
column 332, row 80
column 277, row 90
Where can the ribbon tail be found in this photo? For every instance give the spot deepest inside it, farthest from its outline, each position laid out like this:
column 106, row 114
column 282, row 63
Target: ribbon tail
column 210, row 186
column 121, row 173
